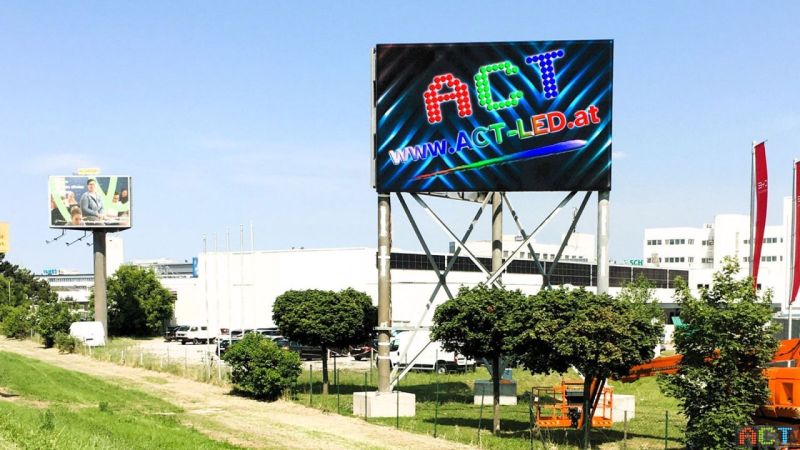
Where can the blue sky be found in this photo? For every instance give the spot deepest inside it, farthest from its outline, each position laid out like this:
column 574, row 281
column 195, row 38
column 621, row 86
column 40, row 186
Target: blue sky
column 239, row 112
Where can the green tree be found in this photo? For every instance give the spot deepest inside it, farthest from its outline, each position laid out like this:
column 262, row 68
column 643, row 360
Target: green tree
column 138, row 305
column 601, row 336
column 726, row 342
column 50, row 319
column 326, row 319
column 261, row 369
column 476, row 323
column 537, row 319
column 16, row 322
column 607, row 336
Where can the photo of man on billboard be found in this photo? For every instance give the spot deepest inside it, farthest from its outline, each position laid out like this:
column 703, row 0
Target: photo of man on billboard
column 83, row 202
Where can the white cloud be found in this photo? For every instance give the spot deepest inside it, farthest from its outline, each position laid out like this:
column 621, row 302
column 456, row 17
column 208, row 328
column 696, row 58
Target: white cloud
column 616, row 154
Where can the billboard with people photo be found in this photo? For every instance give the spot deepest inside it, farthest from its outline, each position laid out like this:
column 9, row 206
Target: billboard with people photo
column 90, row 202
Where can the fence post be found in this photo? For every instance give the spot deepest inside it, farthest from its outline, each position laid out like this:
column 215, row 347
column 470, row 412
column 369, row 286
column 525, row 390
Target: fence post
column 480, row 417
column 310, row 384
column 666, row 428
column 365, row 398
column 625, row 430
column 397, row 412
column 122, row 358
column 336, row 380
column 436, row 411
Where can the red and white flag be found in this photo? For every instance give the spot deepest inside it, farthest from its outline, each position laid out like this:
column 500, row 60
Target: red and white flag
column 760, row 189
column 796, row 244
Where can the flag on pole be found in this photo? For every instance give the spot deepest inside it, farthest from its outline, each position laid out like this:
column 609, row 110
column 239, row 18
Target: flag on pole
column 760, row 189
column 795, row 234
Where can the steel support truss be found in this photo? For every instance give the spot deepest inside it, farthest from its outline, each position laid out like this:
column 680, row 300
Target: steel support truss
column 492, row 279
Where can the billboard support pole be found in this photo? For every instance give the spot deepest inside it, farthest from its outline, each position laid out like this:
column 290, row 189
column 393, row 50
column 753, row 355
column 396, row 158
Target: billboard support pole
column 384, row 290
column 497, row 233
column 603, row 198
column 100, row 303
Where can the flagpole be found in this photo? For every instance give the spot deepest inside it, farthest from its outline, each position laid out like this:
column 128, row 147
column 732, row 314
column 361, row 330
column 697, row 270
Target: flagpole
column 792, row 244
column 752, row 204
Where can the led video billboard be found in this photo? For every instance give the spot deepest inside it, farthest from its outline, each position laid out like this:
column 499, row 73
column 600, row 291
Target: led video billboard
column 512, row 116
column 90, row 202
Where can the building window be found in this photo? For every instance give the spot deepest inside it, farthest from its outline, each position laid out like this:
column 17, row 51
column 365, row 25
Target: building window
column 691, row 259
column 691, row 241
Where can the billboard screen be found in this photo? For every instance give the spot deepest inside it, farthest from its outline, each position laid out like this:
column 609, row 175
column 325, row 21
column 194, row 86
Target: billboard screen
column 90, row 202
column 513, row 116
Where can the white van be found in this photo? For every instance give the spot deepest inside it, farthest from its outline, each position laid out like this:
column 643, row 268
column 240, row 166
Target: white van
column 431, row 354
column 194, row 334
column 90, row 333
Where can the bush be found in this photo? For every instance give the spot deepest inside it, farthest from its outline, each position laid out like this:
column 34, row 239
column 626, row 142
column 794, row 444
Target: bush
column 260, row 369
column 65, row 343
column 52, row 318
column 16, row 322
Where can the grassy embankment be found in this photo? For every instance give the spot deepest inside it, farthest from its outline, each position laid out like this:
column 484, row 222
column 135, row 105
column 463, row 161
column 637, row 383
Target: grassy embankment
column 45, row 407
column 458, row 418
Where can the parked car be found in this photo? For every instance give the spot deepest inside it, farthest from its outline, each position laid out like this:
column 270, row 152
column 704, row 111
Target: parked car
column 195, row 334
column 169, row 335
column 359, row 352
column 237, row 334
column 224, row 345
column 268, row 332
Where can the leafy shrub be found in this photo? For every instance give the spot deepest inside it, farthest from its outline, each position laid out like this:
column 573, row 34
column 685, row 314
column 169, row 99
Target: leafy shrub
column 16, row 322
column 50, row 319
column 65, row 343
column 261, row 369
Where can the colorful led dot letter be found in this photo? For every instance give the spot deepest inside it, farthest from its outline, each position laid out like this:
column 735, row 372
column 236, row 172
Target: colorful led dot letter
column 459, row 94
column 547, row 72
column 484, row 87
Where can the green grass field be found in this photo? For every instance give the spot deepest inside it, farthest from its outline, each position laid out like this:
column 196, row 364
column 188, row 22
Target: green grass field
column 458, row 419
column 45, row 407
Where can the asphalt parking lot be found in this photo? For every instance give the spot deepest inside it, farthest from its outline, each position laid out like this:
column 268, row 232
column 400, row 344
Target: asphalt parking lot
column 202, row 353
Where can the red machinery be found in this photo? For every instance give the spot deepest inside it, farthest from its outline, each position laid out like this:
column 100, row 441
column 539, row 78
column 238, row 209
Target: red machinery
column 561, row 406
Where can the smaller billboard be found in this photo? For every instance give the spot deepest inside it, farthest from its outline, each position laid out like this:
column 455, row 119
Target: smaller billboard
column 4, row 245
column 90, row 202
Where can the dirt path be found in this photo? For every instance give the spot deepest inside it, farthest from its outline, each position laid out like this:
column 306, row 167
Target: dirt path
column 240, row 421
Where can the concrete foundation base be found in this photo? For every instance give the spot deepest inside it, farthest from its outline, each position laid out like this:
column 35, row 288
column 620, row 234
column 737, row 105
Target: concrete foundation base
column 390, row 404
column 623, row 403
column 483, row 392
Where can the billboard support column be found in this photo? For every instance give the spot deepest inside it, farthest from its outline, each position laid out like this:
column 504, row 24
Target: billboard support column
column 100, row 305
column 384, row 289
column 602, row 240
column 497, row 232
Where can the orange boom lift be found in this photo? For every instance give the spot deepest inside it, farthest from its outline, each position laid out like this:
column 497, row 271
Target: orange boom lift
column 561, row 406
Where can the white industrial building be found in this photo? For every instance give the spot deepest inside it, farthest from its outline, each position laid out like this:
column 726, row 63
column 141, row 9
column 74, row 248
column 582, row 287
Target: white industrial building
column 701, row 250
column 238, row 289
